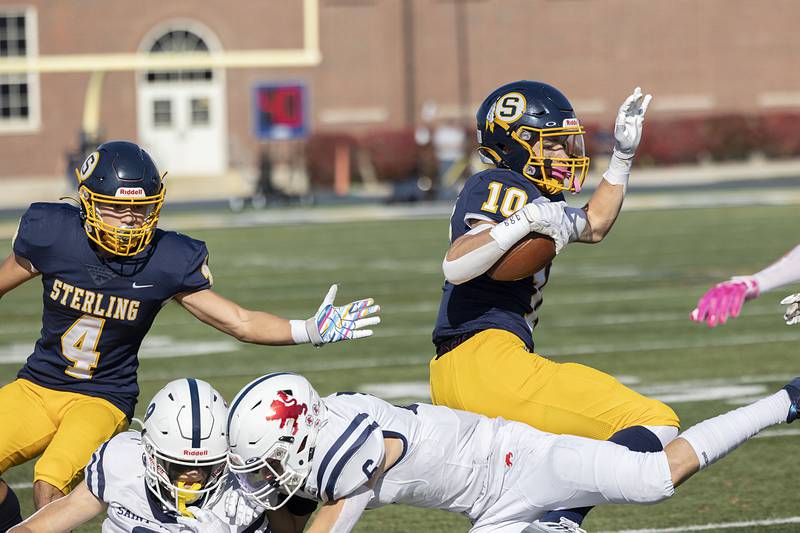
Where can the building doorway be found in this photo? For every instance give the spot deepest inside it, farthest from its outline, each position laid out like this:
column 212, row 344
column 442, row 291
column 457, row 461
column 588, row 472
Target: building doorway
column 181, row 113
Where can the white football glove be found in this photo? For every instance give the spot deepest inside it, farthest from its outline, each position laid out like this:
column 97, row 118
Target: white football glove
column 204, row 521
column 792, row 314
column 240, row 509
column 549, row 218
column 627, row 135
column 334, row 324
column 629, row 122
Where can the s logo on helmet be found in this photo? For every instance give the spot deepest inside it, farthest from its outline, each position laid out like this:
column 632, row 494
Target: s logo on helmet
column 570, row 123
column 88, row 166
column 285, row 408
column 510, row 107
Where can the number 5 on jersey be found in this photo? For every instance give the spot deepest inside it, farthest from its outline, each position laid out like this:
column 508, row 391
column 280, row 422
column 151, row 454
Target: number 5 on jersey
column 513, row 199
column 78, row 344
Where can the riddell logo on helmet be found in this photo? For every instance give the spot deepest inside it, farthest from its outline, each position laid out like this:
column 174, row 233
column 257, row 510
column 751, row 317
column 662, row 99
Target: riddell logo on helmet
column 570, row 123
column 130, row 192
column 194, row 453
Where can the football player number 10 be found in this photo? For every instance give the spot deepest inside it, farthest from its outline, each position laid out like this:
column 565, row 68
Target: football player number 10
column 513, row 199
column 78, row 344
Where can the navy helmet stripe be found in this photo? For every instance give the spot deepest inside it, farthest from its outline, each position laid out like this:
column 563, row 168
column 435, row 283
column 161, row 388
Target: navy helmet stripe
column 337, row 470
column 336, row 446
column 194, row 397
column 244, row 392
column 101, row 477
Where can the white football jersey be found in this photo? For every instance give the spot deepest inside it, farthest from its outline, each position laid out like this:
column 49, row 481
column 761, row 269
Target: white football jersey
column 116, row 475
column 502, row 475
column 444, row 463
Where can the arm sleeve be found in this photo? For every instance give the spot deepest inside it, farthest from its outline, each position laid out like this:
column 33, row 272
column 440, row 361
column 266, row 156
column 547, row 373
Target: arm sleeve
column 198, row 273
column 784, row 271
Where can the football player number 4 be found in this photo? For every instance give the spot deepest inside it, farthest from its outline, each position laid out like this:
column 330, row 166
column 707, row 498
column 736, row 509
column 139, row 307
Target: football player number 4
column 78, row 344
column 512, row 201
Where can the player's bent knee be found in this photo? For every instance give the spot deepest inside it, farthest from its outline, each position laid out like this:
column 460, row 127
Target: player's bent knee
column 633, row 477
column 44, row 493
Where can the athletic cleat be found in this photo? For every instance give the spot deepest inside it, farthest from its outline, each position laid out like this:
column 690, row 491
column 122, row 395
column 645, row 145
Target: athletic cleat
column 793, row 389
column 563, row 526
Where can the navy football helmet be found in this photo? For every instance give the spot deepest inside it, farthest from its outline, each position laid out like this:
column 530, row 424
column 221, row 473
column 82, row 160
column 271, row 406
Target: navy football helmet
column 117, row 177
column 531, row 128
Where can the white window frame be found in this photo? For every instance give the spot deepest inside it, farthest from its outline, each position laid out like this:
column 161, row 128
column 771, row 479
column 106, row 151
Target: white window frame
column 31, row 124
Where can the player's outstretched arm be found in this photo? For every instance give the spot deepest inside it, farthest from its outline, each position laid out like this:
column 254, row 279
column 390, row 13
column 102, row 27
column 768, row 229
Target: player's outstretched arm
column 64, row 514
column 15, row 271
column 330, row 323
column 726, row 299
column 605, row 204
column 341, row 516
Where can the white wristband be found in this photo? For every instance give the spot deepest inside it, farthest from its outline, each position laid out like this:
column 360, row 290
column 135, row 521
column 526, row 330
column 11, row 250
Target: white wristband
column 508, row 232
column 619, row 170
column 299, row 332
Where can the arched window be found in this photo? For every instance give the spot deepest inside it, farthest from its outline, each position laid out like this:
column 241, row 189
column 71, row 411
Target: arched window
column 175, row 42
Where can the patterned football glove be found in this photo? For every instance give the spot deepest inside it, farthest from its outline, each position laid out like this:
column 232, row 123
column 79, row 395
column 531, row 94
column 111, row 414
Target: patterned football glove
column 792, row 315
column 334, row 324
column 725, row 299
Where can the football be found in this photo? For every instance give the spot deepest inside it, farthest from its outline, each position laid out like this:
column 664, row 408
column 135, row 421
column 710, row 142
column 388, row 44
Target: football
column 527, row 257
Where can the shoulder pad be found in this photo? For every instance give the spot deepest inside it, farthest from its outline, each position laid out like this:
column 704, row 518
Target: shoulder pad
column 188, row 260
column 39, row 228
column 113, row 462
column 352, row 460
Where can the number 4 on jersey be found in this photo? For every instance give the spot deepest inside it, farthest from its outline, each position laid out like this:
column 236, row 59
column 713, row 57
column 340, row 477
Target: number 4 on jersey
column 78, row 344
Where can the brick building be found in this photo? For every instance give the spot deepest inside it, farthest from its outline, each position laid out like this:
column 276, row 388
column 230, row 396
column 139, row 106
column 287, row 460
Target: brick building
column 366, row 64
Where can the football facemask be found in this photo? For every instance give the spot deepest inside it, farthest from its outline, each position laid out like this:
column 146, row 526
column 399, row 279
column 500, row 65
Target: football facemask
column 557, row 157
column 163, row 473
column 264, row 479
column 121, row 240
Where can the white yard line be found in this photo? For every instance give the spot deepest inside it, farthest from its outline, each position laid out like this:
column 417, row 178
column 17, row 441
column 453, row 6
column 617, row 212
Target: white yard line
column 707, row 527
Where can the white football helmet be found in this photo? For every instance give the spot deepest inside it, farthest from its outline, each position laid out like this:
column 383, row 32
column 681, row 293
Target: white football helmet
column 272, row 431
column 184, row 429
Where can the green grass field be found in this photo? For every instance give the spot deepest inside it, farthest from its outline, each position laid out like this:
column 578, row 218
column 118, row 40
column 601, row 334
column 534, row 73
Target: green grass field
column 621, row 306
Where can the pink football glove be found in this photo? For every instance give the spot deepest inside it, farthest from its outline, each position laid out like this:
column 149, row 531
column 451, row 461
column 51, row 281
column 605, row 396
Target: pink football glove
column 724, row 299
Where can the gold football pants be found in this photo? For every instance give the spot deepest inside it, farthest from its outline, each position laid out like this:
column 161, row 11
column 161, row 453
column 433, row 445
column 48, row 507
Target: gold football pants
column 65, row 428
column 493, row 374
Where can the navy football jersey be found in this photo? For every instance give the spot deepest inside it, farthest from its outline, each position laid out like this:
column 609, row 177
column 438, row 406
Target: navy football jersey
column 483, row 303
column 98, row 309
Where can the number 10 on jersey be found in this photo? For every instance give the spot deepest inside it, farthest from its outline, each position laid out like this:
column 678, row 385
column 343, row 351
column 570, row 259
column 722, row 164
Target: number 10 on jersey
column 513, row 199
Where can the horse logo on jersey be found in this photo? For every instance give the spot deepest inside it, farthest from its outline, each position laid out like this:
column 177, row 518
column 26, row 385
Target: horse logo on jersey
column 285, row 408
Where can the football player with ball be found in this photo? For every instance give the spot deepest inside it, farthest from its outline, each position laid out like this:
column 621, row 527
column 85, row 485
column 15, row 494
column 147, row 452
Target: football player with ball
column 507, row 225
